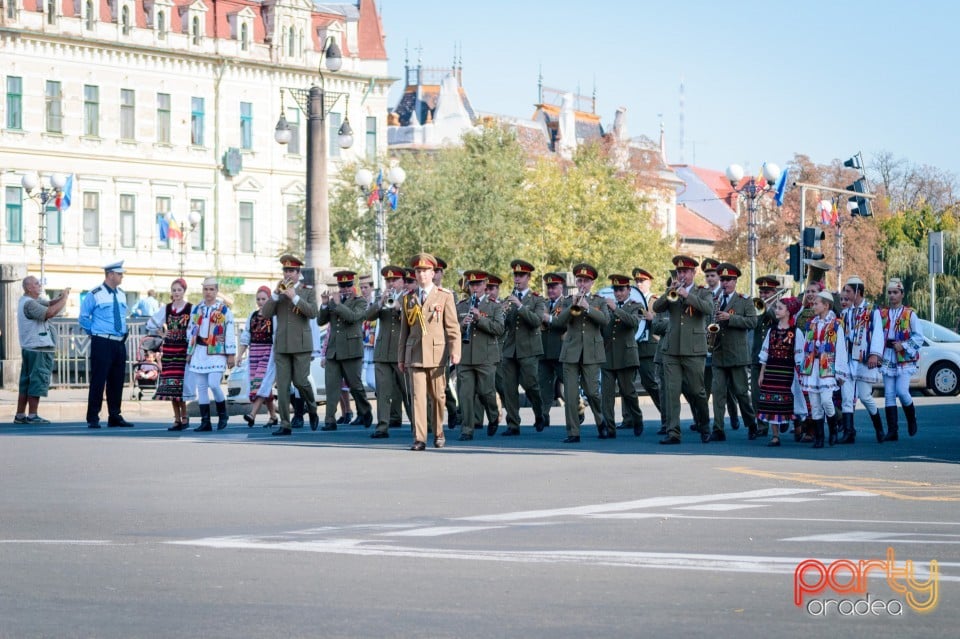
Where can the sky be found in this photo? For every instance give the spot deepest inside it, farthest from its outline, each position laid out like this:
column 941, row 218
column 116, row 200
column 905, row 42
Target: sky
column 762, row 81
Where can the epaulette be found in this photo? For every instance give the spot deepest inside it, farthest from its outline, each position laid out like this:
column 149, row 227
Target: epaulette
column 744, row 296
column 445, row 290
column 306, row 285
column 97, row 290
column 535, row 294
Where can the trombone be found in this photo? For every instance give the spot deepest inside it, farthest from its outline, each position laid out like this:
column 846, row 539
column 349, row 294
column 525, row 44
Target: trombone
column 762, row 304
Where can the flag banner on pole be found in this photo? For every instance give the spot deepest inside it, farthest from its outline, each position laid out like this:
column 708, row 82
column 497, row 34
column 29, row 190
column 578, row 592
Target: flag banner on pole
column 163, row 228
column 781, row 188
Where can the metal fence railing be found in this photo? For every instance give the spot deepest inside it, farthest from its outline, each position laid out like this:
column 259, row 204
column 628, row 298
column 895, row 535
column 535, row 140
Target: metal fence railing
column 72, row 360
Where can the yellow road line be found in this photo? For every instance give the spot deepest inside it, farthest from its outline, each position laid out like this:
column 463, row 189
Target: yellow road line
column 892, row 488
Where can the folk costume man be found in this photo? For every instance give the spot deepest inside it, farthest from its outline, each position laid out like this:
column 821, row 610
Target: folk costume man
column 391, row 386
column 863, row 330
column 294, row 304
column 620, row 367
column 522, row 347
column 344, row 312
column 429, row 330
column 481, row 324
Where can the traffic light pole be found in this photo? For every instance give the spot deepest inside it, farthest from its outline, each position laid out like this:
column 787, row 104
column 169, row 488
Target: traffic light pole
column 819, row 187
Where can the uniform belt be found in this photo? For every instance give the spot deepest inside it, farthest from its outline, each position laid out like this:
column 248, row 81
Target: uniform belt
column 112, row 338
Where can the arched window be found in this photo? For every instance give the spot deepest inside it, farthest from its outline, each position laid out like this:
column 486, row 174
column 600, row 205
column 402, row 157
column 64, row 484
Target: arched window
column 125, row 20
column 291, row 42
column 162, row 25
column 90, row 18
column 244, row 37
column 196, row 30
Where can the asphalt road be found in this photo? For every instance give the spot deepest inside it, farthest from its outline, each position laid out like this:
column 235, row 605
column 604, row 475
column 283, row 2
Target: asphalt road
column 144, row 533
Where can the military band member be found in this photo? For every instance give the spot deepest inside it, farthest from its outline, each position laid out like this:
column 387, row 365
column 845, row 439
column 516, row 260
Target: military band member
column 493, row 294
column 481, row 323
column 345, row 312
column 647, row 341
column 712, row 278
column 453, row 411
column 429, row 330
column 736, row 315
column 551, row 334
column 683, row 358
column 522, row 347
column 863, row 328
column 391, row 386
column 620, row 367
column 768, row 285
column 584, row 316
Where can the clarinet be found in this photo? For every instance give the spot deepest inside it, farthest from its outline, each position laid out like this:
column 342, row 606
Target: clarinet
column 468, row 331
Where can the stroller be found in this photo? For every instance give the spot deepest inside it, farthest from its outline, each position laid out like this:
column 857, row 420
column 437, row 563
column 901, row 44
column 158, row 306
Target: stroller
column 146, row 372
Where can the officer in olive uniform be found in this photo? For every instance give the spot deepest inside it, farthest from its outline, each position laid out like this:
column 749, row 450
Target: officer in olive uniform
column 647, row 340
column 683, row 358
column 345, row 313
column 551, row 334
column 391, row 387
column 294, row 306
column 584, row 316
column 481, row 323
column 522, row 347
column 712, row 278
column 736, row 315
column 620, row 367
column 493, row 294
column 767, row 285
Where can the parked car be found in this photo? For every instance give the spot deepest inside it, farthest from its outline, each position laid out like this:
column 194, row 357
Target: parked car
column 938, row 371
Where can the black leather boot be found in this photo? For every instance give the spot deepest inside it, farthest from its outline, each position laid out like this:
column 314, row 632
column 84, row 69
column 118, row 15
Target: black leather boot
column 222, row 415
column 832, row 423
column 877, row 426
column 910, row 411
column 817, row 432
column 797, row 429
column 846, row 426
column 204, row 419
column 892, row 427
column 299, row 410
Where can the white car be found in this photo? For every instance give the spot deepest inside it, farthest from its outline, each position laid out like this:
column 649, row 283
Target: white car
column 938, row 371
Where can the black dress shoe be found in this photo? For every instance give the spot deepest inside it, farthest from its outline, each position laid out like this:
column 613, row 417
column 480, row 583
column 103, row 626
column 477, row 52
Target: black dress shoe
column 705, row 437
column 314, row 421
column 93, row 424
column 695, row 427
column 510, row 432
column 119, row 422
column 418, row 446
column 179, row 426
column 670, row 441
column 492, row 429
column 573, row 439
column 356, row 421
column 623, row 426
column 611, row 432
column 892, row 437
column 203, row 428
column 297, row 421
column 365, row 420
column 439, row 442
column 250, row 420
column 328, row 426
column 273, row 421
column 662, row 431
column 465, row 437
column 735, row 424
column 638, row 430
column 718, row 436
column 379, row 434
column 345, row 419
column 283, row 432
column 539, row 425
column 394, row 424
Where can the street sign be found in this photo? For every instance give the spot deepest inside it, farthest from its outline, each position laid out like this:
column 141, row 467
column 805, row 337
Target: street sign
column 232, row 281
column 936, row 252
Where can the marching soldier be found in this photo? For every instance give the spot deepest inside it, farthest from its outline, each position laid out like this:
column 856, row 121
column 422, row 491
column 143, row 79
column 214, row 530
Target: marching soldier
column 493, row 295
column 448, row 371
column 345, row 313
column 735, row 314
column 522, row 348
column 683, row 358
column 481, row 323
column 391, row 387
column 551, row 334
column 767, row 285
column 647, row 341
column 620, row 368
column 584, row 316
column 712, row 278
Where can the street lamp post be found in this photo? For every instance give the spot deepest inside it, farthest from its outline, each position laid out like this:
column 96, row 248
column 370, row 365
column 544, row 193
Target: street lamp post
column 315, row 103
column 752, row 192
column 363, row 179
column 35, row 190
column 186, row 226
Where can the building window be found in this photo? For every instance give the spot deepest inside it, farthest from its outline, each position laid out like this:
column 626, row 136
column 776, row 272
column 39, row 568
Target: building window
column 162, row 25
column 196, row 235
column 244, row 37
column 14, row 101
column 11, row 9
column 195, row 30
column 125, row 20
column 163, row 210
column 246, row 125
column 54, row 234
column 128, row 114
column 295, row 223
column 91, row 218
column 54, row 103
column 291, row 42
column 196, row 121
column 293, row 119
column 91, row 110
column 371, row 138
column 163, row 118
column 246, row 227
column 51, row 11
column 89, row 17
column 128, row 220
column 14, row 210
column 333, row 126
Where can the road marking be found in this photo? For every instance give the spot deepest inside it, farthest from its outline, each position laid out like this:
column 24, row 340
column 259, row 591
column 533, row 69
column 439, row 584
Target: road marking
column 674, row 515
column 437, row 531
column 785, row 500
column 64, row 542
column 871, row 536
column 720, row 507
column 892, row 488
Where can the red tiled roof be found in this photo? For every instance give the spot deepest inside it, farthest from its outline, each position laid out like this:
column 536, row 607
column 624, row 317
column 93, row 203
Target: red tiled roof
column 370, row 31
column 691, row 226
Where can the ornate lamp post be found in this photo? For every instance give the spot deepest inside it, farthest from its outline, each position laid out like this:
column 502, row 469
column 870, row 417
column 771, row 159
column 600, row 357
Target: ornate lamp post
column 42, row 194
column 363, row 179
column 752, row 192
column 186, row 226
column 315, row 103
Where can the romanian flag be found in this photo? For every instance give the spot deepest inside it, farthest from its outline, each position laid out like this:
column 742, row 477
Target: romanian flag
column 375, row 191
column 174, row 232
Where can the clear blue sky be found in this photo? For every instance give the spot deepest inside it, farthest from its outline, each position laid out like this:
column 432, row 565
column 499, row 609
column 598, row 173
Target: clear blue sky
column 762, row 80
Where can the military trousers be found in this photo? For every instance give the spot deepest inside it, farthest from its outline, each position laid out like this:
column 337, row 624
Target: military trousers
column 575, row 376
column 626, row 379
column 477, row 395
column 294, row 368
column 731, row 382
column 348, row 370
column 427, row 394
column 648, row 380
column 517, row 372
column 391, row 395
column 683, row 374
column 551, row 380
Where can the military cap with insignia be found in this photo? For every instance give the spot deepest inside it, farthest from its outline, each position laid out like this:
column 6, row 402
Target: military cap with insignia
column 288, row 260
column 423, row 261
column 441, row 264
column 493, row 280
column 391, row 272
column 684, row 261
column 640, row 275
column 617, row 280
column 726, row 269
column 554, row 278
column 409, row 275
column 521, row 266
column 768, row 281
column 585, row 270
column 115, row 267
column 345, row 278
column 475, row 276
column 709, row 264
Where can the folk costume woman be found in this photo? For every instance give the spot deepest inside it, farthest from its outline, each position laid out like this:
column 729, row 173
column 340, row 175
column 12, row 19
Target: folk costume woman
column 257, row 344
column 902, row 341
column 821, row 356
column 778, row 370
column 171, row 323
column 211, row 349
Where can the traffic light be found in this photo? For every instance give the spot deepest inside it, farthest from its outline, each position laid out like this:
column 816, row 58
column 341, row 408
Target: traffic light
column 854, row 163
column 794, row 265
column 862, row 207
column 812, row 237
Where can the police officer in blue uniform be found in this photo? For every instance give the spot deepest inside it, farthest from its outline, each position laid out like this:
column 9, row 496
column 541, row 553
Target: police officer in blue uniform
column 103, row 314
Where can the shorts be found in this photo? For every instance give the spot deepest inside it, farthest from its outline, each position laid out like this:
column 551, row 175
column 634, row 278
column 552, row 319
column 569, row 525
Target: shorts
column 35, row 373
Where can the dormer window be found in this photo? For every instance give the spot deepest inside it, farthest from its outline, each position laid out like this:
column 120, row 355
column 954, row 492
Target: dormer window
column 241, row 26
column 244, row 37
column 193, row 18
column 51, row 11
column 162, row 25
column 125, row 20
column 89, row 16
column 195, row 30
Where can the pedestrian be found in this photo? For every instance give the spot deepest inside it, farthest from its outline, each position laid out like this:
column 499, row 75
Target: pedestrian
column 294, row 304
column 211, row 350
column 38, row 343
column 821, row 355
column 103, row 316
column 147, row 306
column 901, row 352
column 171, row 323
column 257, row 344
column 428, row 332
column 778, row 369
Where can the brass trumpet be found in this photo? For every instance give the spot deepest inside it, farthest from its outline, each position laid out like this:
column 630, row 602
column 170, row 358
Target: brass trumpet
column 761, row 304
column 576, row 310
column 391, row 302
column 672, row 294
column 284, row 285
